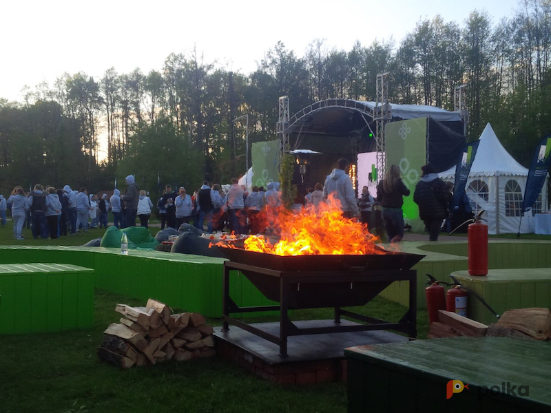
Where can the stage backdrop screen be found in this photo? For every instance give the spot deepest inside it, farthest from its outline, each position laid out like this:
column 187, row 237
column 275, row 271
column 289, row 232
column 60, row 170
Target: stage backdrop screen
column 265, row 162
column 406, row 146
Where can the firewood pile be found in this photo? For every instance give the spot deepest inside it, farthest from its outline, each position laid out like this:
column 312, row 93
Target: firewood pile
column 151, row 334
column 526, row 323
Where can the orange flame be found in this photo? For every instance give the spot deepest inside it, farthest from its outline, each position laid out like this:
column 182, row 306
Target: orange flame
column 317, row 230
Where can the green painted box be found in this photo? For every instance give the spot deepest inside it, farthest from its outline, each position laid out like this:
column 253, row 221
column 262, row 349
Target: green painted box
column 45, row 297
column 506, row 289
column 503, row 375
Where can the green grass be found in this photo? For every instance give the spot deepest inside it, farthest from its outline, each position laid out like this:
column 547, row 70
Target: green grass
column 60, row 372
column 79, row 239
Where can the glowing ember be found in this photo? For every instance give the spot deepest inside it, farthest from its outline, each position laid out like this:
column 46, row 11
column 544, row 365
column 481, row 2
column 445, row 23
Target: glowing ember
column 316, row 231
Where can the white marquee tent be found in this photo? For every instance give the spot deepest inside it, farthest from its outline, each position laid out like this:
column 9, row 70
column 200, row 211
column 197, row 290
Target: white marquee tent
column 496, row 184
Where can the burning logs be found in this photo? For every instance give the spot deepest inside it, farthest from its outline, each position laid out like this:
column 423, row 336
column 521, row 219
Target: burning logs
column 151, row 334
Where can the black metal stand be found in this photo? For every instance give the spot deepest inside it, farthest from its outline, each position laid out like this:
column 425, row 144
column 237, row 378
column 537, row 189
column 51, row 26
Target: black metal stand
column 289, row 287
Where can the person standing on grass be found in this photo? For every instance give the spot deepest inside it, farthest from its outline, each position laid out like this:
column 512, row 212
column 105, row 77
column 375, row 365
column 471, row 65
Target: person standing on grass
column 254, row 204
column 184, row 208
column 218, row 205
column 433, row 198
column 83, row 208
column 131, row 199
column 37, row 205
column 53, row 209
column 64, row 201
column 236, row 204
column 103, row 206
column 3, row 207
column 93, row 211
column 71, row 208
column 168, row 199
column 18, row 203
column 116, row 208
column 339, row 184
column 390, row 193
column 144, row 209
column 365, row 203
column 205, row 206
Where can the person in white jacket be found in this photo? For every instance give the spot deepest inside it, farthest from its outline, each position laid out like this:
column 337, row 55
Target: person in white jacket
column 144, row 208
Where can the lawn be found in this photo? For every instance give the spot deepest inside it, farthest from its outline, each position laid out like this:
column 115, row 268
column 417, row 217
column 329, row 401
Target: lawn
column 79, row 239
column 60, row 372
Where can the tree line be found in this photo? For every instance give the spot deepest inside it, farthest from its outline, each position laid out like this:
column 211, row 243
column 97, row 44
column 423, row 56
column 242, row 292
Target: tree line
column 177, row 124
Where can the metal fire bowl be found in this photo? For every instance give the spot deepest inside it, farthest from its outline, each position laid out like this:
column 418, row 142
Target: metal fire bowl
column 387, row 261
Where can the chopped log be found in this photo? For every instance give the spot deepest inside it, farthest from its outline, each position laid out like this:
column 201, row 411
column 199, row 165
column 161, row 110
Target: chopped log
column 153, row 345
column 159, row 354
column 178, row 342
column 183, row 355
column 209, row 352
column 133, row 325
column 169, row 350
column 441, row 330
column 196, row 354
column 194, row 345
column 118, row 345
column 208, row 341
column 534, row 322
column 196, row 320
column 497, row 330
column 189, row 334
column 136, row 314
column 178, row 322
column 463, row 325
column 165, row 338
column 157, row 332
column 161, row 308
column 205, row 330
column 141, row 361
column 127, row 334
column 114, row 358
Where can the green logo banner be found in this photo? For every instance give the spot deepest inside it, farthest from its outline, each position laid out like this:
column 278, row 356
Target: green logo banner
column 406, row 146
column 265, row 162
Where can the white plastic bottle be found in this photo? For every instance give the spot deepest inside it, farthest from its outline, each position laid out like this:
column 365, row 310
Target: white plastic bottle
column 124, row 244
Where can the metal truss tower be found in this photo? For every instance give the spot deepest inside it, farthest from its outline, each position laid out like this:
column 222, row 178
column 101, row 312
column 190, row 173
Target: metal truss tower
column 382, row 114
column 460, row 105
column 282, row 126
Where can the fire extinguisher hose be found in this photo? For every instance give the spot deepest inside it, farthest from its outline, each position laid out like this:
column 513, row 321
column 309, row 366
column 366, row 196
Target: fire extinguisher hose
column 478, row 297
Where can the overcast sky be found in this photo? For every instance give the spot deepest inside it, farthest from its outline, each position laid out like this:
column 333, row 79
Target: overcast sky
column 40, row 40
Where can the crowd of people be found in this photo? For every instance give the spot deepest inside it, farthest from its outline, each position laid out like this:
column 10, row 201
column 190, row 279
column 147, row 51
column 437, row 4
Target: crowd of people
column 51, row 213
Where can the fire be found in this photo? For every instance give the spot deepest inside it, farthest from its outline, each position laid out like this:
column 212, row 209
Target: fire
column 316, row 231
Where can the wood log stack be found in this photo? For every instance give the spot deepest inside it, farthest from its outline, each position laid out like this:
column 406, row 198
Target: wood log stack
column 527, row 323
column 151, row 334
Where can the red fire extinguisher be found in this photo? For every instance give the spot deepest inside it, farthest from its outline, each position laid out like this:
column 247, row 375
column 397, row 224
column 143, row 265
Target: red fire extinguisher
column 478, row 247
column 456, row 300
column 436, row 299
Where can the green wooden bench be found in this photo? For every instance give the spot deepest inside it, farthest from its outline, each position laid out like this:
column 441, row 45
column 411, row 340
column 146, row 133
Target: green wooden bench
column 413, row 376
column 507, row 289
column 45, row 297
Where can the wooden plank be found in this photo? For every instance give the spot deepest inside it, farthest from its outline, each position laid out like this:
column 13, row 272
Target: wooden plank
column 527, row 295
column 85, row 300
column 7, row 304
column 22, row 304
column 466, row 326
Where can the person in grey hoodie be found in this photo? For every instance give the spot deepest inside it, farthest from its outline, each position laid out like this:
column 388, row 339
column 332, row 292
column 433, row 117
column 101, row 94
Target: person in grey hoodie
column 115, row 201
column 18, row 203
column 3, row 207
column 339, row 184
column 72, row 208
column 53, row 209
column 184, row 208
column 83, row 206
column 254, row 204
column 131, row 199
